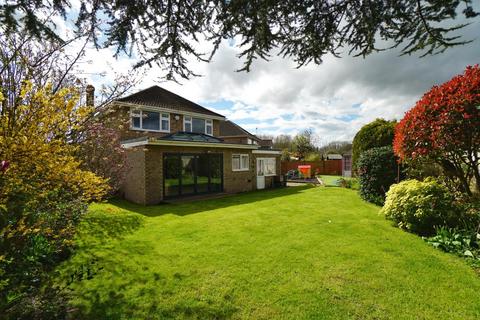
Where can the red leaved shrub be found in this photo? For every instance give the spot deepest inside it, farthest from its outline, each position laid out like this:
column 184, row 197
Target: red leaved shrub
column 444, row 126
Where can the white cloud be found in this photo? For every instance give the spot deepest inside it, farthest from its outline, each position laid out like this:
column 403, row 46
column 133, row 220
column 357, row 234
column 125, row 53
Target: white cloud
column 335, row 98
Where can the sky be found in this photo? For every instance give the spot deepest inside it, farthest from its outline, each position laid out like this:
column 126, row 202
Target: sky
column 335, row 98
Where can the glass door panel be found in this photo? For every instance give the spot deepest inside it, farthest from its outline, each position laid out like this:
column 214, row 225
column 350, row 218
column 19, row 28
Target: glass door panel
column 202, row 173
column 216, row 173
column 188, row 174
column 172, row 175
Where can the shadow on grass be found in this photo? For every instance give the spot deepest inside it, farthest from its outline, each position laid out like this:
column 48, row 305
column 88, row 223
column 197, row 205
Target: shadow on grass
column 102, row 225
column 144, row 296
column 116, row 305
column 183, row 209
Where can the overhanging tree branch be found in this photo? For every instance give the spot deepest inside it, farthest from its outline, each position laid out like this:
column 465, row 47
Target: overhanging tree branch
column 167, row 33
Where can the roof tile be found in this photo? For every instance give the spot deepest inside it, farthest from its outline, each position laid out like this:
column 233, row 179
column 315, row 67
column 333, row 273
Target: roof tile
column 156, row 96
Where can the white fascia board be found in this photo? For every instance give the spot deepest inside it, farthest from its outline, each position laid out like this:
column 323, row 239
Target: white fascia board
column 267, row 152
column 187, row 144
column 134, row 144
column 168, row 110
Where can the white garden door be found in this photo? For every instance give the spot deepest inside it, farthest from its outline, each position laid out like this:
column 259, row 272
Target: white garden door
column 260, row 174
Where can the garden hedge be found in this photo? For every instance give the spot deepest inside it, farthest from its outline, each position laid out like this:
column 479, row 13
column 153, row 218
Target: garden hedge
column 377, row 170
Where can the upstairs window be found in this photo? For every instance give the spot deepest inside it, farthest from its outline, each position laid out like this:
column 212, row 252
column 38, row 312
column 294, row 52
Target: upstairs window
column 187, row 124
column 150, row 120
column 197, row 125
column 165, row 122
column 136, row 119
column 209, row 127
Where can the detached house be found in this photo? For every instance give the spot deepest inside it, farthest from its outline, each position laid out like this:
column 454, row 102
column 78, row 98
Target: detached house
column 176, row 149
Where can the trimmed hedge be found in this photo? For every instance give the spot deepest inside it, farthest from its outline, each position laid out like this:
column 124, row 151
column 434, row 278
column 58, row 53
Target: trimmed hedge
column 378, row 133
column 377, row 171
column 421, row 206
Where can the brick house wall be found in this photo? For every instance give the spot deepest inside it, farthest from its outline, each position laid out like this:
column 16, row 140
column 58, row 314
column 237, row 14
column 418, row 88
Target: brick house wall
column 241, row 140
column 144, row 183
column 238, row 181
column 134, row 187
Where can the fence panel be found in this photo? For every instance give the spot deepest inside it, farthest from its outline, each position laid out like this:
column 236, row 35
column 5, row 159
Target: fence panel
column 328, row 167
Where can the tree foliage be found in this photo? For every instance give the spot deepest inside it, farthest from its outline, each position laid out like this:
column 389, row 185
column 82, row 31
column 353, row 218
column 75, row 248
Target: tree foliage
column 34, row 135
column 336, row 147
column 377, row 171
column 43, row 193
column 101, row 153
column 47, row 64
column 168, row 32
column 283, row 142
column 22, row 58
column 444, row 127
column 378, row 133
column 303, row 144
column 44, row 184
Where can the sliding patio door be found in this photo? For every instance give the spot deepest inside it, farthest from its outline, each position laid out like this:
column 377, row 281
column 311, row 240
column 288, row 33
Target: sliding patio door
column 189, row 174
column 216, row 173
column 171, row 175
column 187, row 179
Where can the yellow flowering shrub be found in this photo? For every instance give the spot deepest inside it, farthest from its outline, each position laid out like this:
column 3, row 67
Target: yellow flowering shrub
column 43, row 193
column 34, row 140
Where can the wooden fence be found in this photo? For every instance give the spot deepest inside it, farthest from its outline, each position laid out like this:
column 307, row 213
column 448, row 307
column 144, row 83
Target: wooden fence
column 328, row 167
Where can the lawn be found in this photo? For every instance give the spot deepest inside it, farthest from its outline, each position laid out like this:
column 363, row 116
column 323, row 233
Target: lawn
column 293, row 253
column 330, row 181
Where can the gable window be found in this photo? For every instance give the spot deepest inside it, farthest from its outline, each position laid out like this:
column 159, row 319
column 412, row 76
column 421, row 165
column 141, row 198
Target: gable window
column 197, row 125
column 150, row 120
column 240, row 162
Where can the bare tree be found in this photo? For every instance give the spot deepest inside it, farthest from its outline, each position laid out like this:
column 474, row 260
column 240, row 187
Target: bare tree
column 23, row 58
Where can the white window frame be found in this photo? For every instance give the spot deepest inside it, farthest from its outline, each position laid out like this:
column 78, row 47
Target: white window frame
column 209, row 124
column 138, row 113
column 265, row 160
column 189, row 120
column 165, row 116
column 240, row 156
column 135, row 113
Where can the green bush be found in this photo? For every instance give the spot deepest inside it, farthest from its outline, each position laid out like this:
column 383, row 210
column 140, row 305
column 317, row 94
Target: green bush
column 377, row 171
column 460, row 242
column 38, row 236
column 378, row 133
column 313, row 156
column 349, row 183
column 421, row 206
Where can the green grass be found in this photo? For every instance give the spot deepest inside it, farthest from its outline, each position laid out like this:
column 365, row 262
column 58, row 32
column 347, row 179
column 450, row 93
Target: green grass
column 330, row 181
column 293, row 253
